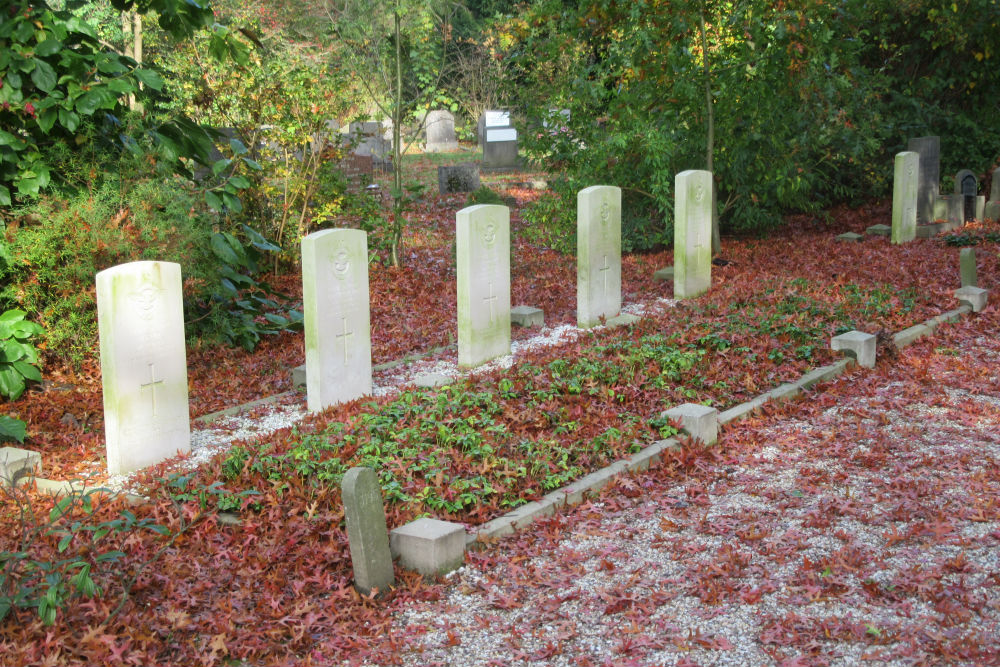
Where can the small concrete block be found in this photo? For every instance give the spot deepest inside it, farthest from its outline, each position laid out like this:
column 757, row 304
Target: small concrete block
column 299, row 376
column 879, row 230
column 664, row 275
column 58, row 488
column 433, row 380
column 975, row 297
column 622, row 320
column 16, row 463
column 856, row 344
column 701, row 422
column 850, row 237
column 527, row 316
column 429, row 546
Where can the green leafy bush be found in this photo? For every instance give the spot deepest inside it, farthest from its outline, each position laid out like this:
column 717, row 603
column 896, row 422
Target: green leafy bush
column 18, row 356
column 56, row 246
column 240, row 308
column 550, row 222
column 484, row 195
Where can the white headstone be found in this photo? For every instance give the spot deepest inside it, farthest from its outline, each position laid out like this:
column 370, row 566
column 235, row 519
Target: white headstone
column 482, row 238
column 140, row 318
column 336, row 313
column 692, row 233
column 599, row 254
column 905, row 183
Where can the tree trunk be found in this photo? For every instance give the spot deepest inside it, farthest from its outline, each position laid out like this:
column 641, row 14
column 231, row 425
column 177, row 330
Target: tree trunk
column 710, row 131
column 397, row 156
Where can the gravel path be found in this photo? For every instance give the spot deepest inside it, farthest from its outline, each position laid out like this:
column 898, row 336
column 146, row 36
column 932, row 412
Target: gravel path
column 858, row 526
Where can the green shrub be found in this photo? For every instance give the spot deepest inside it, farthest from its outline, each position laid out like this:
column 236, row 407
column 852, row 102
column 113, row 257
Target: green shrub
column 56, row 246
column 550, row 221
column 18, row 356
column 484, row 195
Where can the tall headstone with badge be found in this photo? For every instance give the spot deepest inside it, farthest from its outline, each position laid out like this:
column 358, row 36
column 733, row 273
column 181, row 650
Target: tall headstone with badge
column 498, row 138
column 439, row 127
column 599, row 254
column 905, row 183
column 337, row 318
column 140, row 318
column 929, row 150
column 482, row 239
column 692, row 233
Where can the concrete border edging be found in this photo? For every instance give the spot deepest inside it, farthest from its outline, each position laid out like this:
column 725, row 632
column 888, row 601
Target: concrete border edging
column 574, row 493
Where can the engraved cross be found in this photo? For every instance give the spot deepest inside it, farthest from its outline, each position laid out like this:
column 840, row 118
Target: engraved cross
column 491, row 299
column 152, row 385
column 606, row 271
column 347, row 334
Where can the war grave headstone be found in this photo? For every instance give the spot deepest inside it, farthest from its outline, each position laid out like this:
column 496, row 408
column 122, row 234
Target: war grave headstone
column 140, row 319
column 367, row 534
column 905, row 185
column 439, row 129
column 458, row 178
column 337, row 319
column 482, row 238
column 929, row 150
column 991, row 211
column 692, row 233
column 599, row 254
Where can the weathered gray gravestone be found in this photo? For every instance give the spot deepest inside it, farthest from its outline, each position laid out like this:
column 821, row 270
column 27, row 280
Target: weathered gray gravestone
column 929, row 149
column 599, row 254
column 367, row 534
column 904, row 196
column 458, row 178
column 498, row 139
column 482, row 239
column 967, row 267
column 967, row 187
column 992, row 208
column 439, row 128
column 692, row 233
column 140, row 319
column 337, row 319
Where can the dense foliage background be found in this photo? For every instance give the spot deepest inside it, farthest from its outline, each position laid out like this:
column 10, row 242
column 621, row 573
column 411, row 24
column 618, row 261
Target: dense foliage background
column 107, row 110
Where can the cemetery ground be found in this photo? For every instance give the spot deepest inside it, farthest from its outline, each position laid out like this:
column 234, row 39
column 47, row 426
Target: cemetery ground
column 859, row 522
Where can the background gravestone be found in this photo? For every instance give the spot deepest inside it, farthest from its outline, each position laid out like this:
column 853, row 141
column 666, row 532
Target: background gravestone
column 929, row 149
column 599, row 254
column 967, row 187
column 905, row 183
column 439, row 128
column 337, row 319
column 491, row 118
column 482, row 239
column 500, row 148
column 140, row 318
column 367, row 535
column 692, row 233
column 992, row 208
column 458, row 178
